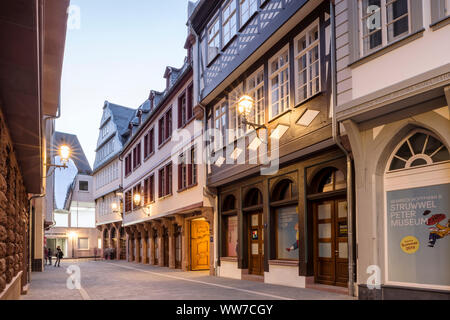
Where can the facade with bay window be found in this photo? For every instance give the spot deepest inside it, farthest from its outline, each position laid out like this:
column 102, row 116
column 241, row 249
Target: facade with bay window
column 393, row 95
column 166, row 215
column 278, row 177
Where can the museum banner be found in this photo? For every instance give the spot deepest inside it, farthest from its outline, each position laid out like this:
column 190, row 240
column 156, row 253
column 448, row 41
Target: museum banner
column 418, row 235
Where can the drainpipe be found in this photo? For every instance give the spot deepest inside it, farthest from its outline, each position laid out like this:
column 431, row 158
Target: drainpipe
column 337, row 140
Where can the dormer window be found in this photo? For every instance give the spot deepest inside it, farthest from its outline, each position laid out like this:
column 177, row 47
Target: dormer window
column 213, row 39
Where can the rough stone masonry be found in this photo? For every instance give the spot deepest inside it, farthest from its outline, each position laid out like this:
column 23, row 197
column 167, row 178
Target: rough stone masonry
column 13, row 212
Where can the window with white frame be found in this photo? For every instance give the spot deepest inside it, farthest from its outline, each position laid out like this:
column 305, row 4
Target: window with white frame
column 279, row 82
column 236, row 126
column 382, row 22
column 255, row 89
column 213, row 39
column 247, row 9
column 220, row 124
column 228, row 22
column 307, row 63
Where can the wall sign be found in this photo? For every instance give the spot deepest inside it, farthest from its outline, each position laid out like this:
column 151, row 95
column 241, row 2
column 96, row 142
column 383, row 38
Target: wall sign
column 418, row 235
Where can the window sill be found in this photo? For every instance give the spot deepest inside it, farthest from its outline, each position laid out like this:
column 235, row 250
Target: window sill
column 149, row 156
column 164, row 142
column 137, row 167
column 440, row 23
column 280, row 115
column 229, row 259
column 128, row 174
column 289, row 263
column 187, row 188
column 229, row 42
column 299, row 104
column 165, row 197
column 391, row 46
column 246, row 23
column 213, row 60
column 188, row 121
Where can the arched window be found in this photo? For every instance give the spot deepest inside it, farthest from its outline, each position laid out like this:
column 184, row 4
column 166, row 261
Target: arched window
column 253, row 198
column 283, row 190
column 113, row 233
column 420, row 148
column 229, row 203
column 329, row 179
column 285, row 222
column 229, row 227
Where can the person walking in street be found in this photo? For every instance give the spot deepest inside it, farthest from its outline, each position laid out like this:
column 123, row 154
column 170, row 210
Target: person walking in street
column 46, row 255
column 59, row 255
column 49, row 256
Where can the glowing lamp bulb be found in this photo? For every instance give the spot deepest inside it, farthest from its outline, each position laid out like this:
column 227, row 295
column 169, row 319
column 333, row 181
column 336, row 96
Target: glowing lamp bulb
column 64, row 153
column 137, row 199
column 245, row 105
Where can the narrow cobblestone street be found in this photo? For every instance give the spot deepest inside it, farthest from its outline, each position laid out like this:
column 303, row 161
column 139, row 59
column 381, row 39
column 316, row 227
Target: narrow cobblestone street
column 102, row 280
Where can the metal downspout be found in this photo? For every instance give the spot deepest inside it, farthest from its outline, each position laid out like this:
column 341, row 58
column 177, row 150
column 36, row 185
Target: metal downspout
column 337, row 140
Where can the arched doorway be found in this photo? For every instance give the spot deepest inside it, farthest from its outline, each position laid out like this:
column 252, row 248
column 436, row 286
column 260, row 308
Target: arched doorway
column 417, row 212
column 254, row 237
column 123, row 244
column 330, row 227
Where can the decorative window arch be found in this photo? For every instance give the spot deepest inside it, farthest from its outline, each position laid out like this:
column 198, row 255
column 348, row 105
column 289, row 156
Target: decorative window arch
column 113, row 233
column 283, row 190
column 327, row 180
column 419, row 148
column 253, row 198
column 229, row 203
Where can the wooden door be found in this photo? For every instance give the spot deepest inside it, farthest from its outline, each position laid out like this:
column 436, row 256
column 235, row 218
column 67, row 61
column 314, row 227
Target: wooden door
column 256, row 244
column 199, row 245
column 166, row 247
column 330, row 242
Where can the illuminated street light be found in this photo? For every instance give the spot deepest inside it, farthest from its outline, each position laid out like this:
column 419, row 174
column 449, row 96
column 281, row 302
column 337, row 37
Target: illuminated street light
column 245, row 105
column 64, row 153
column 137, row 199
column 114, row 206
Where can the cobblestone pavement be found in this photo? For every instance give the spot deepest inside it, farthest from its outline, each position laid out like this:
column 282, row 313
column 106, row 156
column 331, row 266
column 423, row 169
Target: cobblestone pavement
column 120, row 280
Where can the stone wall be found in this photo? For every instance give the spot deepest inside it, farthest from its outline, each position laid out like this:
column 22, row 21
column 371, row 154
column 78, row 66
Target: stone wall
column 13, row 213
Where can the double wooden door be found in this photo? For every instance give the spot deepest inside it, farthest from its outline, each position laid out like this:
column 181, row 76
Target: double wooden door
column 199, row 245
column 256, row 243
column 331, row 242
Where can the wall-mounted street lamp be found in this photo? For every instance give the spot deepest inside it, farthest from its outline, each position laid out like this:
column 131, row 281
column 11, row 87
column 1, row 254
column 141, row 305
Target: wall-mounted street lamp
column 64, row 154
column 137, row 199
column 114, row 206
column 245, row 108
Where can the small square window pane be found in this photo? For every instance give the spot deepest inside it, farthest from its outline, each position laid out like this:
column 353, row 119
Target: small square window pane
column 324, row 211
column 325, row 250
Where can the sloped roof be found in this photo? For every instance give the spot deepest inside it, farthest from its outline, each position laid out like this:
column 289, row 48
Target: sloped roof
column 77, row 154
column 121, row 116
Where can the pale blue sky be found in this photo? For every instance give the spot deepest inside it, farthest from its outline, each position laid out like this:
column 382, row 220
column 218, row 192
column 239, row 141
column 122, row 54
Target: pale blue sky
column 119, row 54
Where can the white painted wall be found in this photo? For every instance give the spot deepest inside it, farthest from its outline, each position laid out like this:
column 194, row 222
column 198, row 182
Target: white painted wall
column 181, row 139
column 421, row 55
column 284, row 275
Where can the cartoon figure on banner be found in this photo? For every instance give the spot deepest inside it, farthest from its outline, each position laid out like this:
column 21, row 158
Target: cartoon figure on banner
column 295, row 244
column 437, row 231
